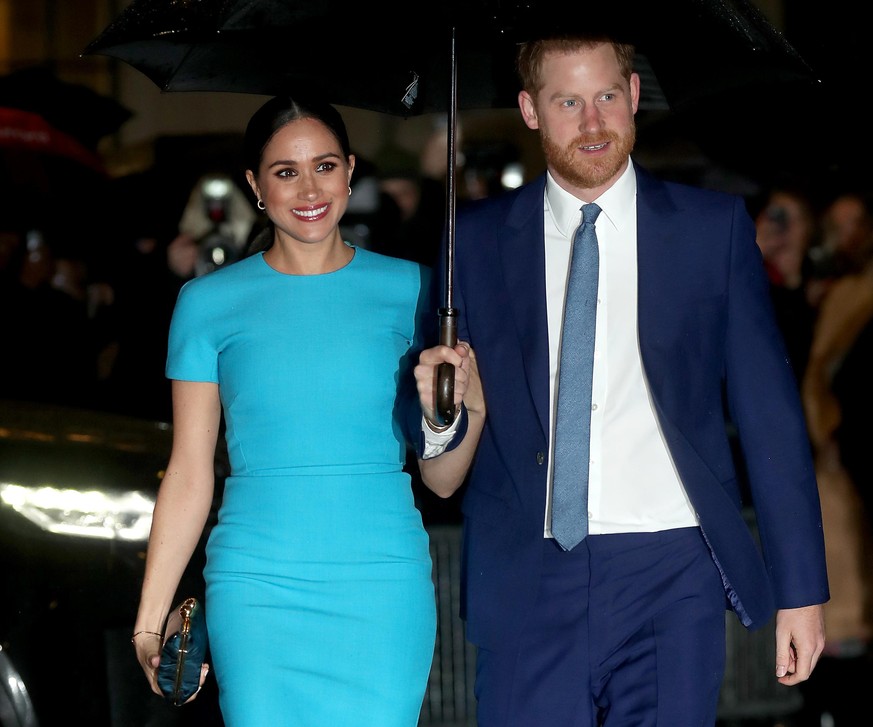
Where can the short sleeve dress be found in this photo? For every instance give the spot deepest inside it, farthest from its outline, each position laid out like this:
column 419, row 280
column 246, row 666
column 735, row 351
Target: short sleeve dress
column 319, row 593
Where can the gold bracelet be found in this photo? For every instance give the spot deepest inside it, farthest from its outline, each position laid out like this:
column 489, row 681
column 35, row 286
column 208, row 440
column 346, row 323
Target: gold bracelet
column 440, row 428
column 153, row 633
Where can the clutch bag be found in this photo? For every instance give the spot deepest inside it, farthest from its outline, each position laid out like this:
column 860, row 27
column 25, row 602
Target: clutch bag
column 183, row 652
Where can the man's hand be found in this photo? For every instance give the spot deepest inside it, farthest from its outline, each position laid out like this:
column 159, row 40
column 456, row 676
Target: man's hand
column 800, row 640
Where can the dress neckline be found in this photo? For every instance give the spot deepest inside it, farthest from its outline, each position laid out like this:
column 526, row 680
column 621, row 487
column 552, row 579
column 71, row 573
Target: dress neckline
column 313, row 275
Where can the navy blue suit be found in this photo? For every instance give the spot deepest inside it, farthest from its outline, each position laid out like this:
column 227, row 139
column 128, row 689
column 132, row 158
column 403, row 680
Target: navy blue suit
column 709, row 342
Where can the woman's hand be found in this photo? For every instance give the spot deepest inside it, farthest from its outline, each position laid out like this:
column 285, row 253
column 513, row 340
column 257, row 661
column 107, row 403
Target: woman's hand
column 148, row 654
column 445, row 473
column 467, row 386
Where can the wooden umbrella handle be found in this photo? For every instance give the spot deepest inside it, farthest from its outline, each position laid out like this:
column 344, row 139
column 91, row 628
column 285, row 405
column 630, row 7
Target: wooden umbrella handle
column 445, row 393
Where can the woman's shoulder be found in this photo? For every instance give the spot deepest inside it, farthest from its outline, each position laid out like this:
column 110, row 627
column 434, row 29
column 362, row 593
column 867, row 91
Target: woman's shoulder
column 239, row 269
column 389, row 263
column 404, row 277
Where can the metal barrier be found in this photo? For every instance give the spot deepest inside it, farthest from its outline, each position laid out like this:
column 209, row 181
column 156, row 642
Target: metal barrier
column 749, row 690
column 449, row 700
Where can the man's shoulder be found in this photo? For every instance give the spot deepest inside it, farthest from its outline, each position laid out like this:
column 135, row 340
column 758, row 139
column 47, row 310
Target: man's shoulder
column 648, row 182
column 499, row 204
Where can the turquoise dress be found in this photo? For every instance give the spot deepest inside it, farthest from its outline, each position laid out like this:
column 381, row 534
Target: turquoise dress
column 319, row 594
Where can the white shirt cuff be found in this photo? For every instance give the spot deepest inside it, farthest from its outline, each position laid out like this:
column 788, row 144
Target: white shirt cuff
column 435, row 443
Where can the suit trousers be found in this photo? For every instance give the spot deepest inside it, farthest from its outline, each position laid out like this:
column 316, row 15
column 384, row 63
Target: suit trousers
column 628, row 629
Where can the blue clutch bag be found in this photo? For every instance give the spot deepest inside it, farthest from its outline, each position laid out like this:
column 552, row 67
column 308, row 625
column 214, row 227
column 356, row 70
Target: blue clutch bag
column 183, row 652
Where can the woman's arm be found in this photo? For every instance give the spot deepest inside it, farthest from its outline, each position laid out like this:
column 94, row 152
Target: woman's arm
column 445, row 473
column 181, row 510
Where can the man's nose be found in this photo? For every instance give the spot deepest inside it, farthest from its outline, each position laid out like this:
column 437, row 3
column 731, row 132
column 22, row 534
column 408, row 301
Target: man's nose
column 590, row 118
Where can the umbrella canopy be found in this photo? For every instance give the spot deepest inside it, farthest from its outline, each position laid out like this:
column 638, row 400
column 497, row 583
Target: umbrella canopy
column 460, row 57
column 695, row 48
column 30, row 133
column 44, row 119
column 51, row 176
column 69, row 108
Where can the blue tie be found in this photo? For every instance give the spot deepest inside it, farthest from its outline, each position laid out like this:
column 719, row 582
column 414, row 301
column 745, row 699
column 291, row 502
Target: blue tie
column 573, row 421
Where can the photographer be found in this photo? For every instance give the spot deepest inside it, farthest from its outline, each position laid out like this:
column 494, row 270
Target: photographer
column 215, row 228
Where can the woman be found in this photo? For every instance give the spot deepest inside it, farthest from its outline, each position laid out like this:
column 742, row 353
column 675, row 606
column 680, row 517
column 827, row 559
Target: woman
column 319, row 597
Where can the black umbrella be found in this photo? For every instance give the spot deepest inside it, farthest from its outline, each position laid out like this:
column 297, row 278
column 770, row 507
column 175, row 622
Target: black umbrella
column 51, row 175
column 363, row 55
column 457, row 56
column 70, row 108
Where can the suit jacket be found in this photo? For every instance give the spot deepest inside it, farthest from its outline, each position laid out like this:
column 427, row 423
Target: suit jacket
column 710, row 345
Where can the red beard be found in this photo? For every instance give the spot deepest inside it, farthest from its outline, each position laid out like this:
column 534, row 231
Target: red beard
column 589, row 173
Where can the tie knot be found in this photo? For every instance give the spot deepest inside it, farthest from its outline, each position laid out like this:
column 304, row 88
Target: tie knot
column 590, row 212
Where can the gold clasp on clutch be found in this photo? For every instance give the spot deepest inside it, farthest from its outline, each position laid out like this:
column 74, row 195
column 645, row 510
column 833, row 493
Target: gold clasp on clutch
column 185, row 610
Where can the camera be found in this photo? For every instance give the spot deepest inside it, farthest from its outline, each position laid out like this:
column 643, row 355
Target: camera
column 220, row 218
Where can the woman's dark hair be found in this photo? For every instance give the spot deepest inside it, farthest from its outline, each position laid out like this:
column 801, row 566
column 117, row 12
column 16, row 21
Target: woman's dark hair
column 282, row 110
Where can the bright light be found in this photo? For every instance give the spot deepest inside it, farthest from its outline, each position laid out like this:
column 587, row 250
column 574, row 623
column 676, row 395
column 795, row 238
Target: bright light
column 90, row 514
column 16, row 691
column 512, row 176
column 218, row 256
column 216, row 187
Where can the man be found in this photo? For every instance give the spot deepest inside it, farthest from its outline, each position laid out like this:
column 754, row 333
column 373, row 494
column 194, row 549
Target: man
column 628, row 626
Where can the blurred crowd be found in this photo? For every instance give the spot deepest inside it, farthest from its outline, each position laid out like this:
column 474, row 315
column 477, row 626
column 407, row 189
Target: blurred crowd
column 818, row 251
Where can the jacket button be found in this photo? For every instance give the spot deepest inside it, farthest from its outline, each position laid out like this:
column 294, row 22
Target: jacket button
column 540, row 457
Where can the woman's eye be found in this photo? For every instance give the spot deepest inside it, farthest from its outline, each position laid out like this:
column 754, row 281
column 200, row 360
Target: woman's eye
column 284, row 173
column 326, row 167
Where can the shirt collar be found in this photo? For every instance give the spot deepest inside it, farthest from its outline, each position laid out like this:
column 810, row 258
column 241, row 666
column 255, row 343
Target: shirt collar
column 614, row 203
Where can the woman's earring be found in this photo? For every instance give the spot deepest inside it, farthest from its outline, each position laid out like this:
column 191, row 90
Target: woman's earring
column 350, row 191
column 261, row 205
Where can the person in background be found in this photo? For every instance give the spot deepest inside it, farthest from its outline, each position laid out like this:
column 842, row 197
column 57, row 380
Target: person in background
column 143, row 291
column 372, row 218
column 838, row 397
column 846, row 242
column 838, row 387
column 49, row 354
column 626, row 626
column 417, row 186
column 786, row 230
column 319, row 597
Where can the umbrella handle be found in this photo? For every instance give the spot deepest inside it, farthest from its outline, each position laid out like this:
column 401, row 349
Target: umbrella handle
column 445, row 392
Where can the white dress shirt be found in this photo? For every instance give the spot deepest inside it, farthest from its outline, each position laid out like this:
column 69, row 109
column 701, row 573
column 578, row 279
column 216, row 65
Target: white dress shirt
column 633, row 485
column 632, row 482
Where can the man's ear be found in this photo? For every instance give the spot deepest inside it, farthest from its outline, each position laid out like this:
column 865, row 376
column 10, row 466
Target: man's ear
column 635, row 91
column 528, row 110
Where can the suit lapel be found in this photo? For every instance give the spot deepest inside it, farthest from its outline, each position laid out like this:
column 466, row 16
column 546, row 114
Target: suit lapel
column 522, row 259
column 656, row 285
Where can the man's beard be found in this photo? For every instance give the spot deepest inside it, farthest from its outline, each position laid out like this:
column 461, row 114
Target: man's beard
column 589, row 173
